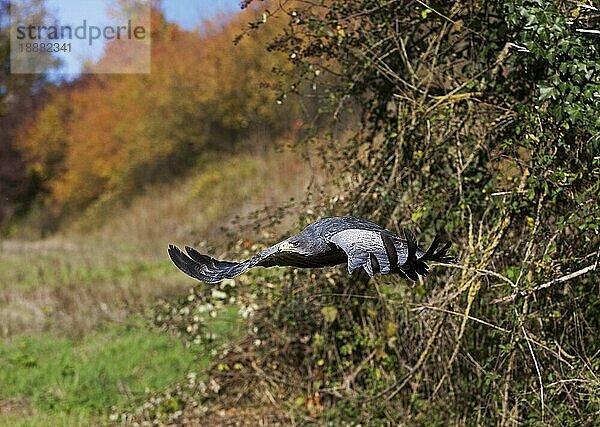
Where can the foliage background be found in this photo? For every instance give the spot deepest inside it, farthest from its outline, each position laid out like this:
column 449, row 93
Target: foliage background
column 480, row 120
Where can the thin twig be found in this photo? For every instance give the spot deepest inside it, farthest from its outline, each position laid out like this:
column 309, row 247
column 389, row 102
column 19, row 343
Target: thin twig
column 479, row 270
column 562, row 279
column 506, row 193
column 535, row 361
column 455, row 313
column 586, row 31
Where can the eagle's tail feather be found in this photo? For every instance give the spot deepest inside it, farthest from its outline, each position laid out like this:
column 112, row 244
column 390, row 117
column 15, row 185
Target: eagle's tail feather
column 442, row 254
column 412, row 244
column 413, row 268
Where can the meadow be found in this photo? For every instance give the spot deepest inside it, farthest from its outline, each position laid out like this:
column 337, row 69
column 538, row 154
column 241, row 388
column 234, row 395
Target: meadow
column 76, row 309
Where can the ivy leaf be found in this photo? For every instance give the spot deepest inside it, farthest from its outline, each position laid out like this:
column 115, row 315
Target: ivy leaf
column 546, row 92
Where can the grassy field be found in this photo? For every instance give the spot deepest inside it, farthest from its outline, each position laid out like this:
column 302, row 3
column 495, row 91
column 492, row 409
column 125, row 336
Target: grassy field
column 78, row 332
column 50, row 379
column 72, row 286
column 76, row 335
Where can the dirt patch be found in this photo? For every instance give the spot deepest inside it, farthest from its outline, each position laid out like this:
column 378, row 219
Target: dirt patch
column 14, row 407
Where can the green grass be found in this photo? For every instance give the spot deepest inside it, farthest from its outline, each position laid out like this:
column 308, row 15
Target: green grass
column 61, row 381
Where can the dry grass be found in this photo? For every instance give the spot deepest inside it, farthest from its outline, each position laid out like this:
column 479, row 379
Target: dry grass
column 73, row 285
column 196, row 207
column 87, row 275
column 14, row 408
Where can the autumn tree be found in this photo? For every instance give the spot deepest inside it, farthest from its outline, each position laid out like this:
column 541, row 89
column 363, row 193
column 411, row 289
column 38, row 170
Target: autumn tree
column 20, row 95
column 113, row 134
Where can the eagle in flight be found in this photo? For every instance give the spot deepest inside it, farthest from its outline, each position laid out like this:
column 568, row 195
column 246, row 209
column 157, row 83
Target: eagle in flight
column 329, row 241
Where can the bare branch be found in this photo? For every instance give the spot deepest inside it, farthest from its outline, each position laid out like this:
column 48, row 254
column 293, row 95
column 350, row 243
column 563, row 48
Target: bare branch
column 562, row 279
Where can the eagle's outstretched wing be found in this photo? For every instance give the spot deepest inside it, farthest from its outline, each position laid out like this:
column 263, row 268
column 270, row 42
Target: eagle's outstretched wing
column 211, row 270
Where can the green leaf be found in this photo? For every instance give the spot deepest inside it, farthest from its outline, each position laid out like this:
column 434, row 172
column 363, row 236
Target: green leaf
column 546, row 92
column 329, row 313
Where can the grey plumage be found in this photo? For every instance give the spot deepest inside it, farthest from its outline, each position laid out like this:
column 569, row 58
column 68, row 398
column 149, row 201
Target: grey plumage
column 329, row 241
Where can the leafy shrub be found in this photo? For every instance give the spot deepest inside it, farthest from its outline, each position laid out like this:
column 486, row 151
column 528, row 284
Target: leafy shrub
column 480, row 120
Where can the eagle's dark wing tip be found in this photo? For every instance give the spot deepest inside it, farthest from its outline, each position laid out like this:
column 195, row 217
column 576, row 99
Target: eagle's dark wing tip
column 172, row 250
column 177, row 256
column 175, row 253
column 201, row 267
column 197, row 256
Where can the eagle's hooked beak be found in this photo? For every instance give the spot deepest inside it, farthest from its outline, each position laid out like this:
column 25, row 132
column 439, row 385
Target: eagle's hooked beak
column 286, row 247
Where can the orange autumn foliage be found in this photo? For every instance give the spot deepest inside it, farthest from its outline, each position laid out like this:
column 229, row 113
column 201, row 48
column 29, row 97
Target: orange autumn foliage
column 105, row 136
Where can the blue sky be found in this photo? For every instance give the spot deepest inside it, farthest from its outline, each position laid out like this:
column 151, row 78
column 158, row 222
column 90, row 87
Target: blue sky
column 187, row 13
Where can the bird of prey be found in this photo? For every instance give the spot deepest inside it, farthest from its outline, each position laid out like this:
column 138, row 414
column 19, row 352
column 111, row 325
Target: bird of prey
column 329, row 241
